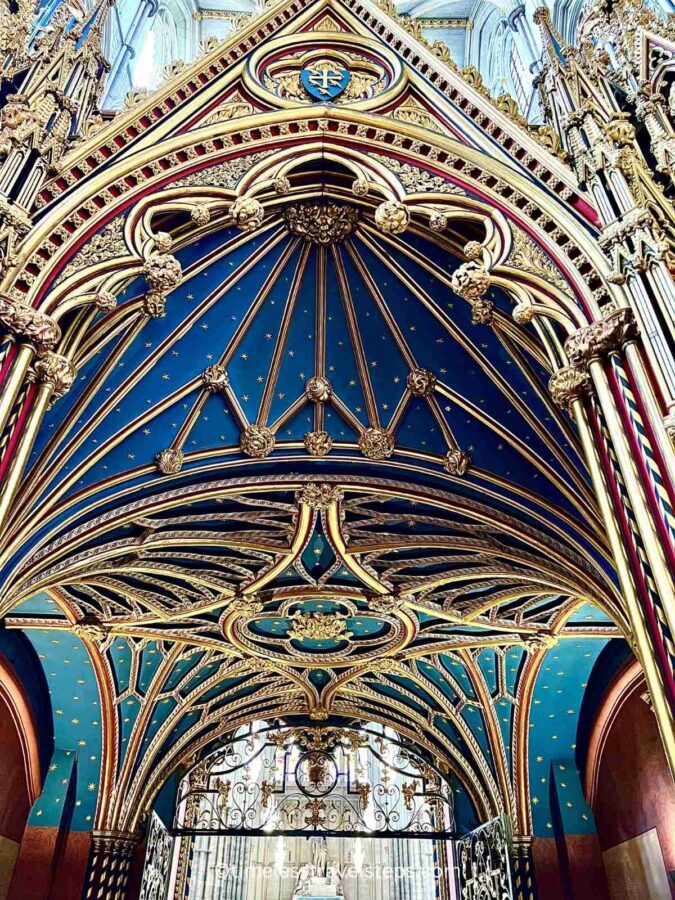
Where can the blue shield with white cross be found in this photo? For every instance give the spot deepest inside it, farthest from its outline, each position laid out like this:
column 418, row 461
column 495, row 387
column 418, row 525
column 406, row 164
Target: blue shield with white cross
column 325, row 80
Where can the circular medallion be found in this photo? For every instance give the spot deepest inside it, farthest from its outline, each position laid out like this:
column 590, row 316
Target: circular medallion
column 324, row 68
column 316, row 773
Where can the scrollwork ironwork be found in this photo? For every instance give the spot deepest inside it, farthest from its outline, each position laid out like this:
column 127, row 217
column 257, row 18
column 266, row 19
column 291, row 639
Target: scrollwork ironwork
column 483, row 861
column 306, row 780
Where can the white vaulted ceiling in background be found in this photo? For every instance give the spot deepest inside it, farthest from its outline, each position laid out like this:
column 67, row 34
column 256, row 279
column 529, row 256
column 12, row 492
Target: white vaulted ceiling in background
column 497, row 37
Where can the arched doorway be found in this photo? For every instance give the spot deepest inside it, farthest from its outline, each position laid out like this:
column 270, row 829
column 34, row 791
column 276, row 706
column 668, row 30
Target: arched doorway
column 303, row 810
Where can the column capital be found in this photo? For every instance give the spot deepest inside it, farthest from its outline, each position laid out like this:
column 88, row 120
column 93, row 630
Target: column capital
column 56, row 371
column 601, row 338
column 119, row 843
column 569, row 384
column 514, row 16
column 28, row 324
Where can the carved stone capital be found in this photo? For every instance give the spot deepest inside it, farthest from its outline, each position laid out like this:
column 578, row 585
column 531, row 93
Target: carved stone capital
column 603, row 337
column 28, row 324
column 569, row 384
column 120, row 844
column 55, row 371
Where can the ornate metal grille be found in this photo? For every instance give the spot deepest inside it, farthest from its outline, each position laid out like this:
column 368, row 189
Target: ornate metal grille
column 157, row 861
column 483, row 863
column 338, row 781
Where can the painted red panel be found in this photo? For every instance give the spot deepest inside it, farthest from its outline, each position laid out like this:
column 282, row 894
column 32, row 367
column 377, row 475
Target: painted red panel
column 14, row 800
column 547, row 871
column 635, row 791
column 33, row 871
column 72, row 867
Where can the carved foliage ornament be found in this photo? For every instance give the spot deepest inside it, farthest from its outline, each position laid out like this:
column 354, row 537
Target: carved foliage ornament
column 319, row 496
column 321, row 223
column 163, row 273
column 170, row 462
column 55, row 371
column 316, row 626
column 247, row 213
column 318, row 389
column 569, row 384
column 215, row 379
column 470, row 280
column 421, row 383
column 257, row 441
column 600, row 338
column 29, row 324
column 376, row 443
column 392, row 217
column 386, row 603
column 457, row 462
column 318, row 443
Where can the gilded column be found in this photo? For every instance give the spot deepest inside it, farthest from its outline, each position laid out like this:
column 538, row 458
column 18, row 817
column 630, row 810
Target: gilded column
column 112, row 854
column 621, row 466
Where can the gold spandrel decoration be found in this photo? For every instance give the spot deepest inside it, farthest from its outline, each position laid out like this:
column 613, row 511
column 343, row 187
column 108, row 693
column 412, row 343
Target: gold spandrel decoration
column 235, row 107
column 413, row 112
column 327, row 23
column 226, row 174
column 527, row 256
column 416, row 180
column 109, row 243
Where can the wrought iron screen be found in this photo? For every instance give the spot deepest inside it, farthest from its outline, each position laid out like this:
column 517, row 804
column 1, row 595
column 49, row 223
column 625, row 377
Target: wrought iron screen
column 157, row 861
column 483, row 862
column 339, row 781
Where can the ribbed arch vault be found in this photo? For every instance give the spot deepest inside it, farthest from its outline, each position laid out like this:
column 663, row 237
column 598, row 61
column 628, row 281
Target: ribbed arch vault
column 310, row 464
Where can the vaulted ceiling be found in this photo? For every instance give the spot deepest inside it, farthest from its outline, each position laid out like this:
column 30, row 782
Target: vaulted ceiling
column 314, row 486
column 297, row 474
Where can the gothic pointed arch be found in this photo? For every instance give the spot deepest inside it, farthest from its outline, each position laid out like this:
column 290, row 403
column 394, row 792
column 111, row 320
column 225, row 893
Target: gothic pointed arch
column 323, row 401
